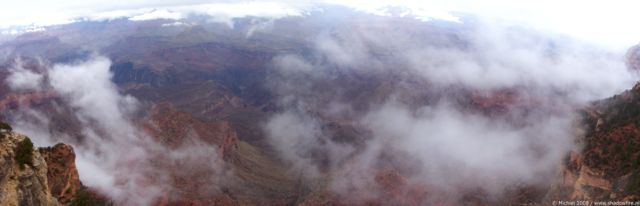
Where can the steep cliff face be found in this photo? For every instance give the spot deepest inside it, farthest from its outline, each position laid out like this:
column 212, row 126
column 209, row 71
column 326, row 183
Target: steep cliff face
column 608, row 167
column 63, row 179
column 23, row 176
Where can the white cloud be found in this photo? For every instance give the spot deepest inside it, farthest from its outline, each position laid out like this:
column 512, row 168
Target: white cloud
column 43, row 13
column 225, row 12
column 23, row 79
column 157, row 14
column 113, row 156
column 607, row 23
column 176, row 24
column 110, row 137
column 449, row 145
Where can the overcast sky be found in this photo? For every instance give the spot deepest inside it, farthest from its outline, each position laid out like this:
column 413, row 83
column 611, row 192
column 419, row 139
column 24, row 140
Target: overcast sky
column 609, row 23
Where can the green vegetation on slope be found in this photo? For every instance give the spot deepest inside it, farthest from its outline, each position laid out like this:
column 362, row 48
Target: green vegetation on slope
column 24, row 153
column 4, row 128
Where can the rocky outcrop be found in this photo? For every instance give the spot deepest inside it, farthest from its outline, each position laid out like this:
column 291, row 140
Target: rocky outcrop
column 608, row 165
column 64, row 181
column 22, row 184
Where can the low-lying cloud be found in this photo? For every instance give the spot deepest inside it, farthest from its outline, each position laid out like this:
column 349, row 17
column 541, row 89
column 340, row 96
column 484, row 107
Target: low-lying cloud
column 24, row 79
column 113, row 155
column 441, row 140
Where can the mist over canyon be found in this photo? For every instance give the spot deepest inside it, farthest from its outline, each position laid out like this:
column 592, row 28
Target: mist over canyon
column 281, row 103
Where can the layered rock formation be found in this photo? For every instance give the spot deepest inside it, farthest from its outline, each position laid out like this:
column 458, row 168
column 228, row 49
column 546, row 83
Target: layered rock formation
column 172, row 128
